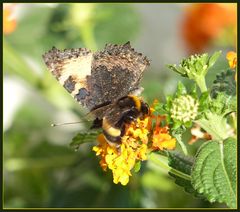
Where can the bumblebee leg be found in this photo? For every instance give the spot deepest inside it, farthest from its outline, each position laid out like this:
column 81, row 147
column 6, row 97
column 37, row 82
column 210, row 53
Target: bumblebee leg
column 97, row 123
column 127, row 118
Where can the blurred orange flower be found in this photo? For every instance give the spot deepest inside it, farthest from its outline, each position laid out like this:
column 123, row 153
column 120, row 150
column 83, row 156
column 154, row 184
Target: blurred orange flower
column 206, row 23
column 9, row 21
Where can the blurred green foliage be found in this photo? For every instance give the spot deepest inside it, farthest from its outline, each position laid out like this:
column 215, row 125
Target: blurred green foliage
column 40, row 168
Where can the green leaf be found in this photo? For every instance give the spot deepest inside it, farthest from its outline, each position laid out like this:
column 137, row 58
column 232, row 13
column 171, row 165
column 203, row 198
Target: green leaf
column 168, row 104
column 83, row 137
column 232, row 105
column 193, row 91
column 204, row 101
column 182, row 163
column 214, row 171
column 214, row 58
column 188, row 124
column 224, row 82
column 137, row 166
column 204, row 59
column 178, row 70
column 223, row 104
column 178, row 127
column 181, row 89
column 159, row 109
column 214, row 124
column 214, row 115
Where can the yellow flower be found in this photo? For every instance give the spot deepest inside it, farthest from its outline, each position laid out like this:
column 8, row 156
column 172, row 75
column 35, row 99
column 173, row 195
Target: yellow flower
column 232, row 61
column 163, row 141
column 139, row 139
column 133, row 148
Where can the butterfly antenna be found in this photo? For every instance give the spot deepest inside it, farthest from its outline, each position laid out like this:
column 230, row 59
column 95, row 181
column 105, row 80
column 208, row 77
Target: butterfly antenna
column 67, row 123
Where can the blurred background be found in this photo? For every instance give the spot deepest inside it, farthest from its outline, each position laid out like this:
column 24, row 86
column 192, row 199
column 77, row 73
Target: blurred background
column 40, row 168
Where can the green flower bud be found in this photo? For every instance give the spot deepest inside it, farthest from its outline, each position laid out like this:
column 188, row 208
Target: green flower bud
column 196, row 65
column 184, row 108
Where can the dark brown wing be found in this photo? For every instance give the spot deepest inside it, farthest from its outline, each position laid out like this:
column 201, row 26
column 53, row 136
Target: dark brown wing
column 94, row 79
column 116, row 72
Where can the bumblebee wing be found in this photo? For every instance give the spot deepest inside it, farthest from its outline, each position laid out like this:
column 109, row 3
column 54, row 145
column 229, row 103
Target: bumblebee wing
column 114, row 115
column 100, row 112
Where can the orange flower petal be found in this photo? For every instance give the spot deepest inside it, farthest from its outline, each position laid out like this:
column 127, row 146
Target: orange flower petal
column 232, row 59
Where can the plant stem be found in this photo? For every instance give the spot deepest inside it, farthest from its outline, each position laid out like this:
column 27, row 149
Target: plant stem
column 162, row 162
column 201, row 83
column 179, row 140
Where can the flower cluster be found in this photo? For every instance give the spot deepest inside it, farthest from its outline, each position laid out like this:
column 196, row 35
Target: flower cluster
column 184, row 108
column 141, row 137
column 196, row 65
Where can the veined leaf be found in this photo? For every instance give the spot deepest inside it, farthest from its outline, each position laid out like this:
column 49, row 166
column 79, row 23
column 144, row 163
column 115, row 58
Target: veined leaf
column 225, row 82
column 183, row 164
column 83, row 137
column 214, row 171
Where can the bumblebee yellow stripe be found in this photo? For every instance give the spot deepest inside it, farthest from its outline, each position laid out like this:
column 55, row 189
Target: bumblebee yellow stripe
column 112, row 131
column 137, row 102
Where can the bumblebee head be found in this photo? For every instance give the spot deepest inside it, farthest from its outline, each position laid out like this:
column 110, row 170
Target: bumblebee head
column 135, row 105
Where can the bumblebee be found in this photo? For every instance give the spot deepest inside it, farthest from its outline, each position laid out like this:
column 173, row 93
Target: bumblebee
column 125, row 111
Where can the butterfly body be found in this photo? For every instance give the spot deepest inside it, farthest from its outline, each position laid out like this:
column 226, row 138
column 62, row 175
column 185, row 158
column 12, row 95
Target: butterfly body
column 104, row 82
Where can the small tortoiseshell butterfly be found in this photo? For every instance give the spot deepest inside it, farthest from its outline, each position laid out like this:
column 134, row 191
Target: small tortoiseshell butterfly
column 105, row 82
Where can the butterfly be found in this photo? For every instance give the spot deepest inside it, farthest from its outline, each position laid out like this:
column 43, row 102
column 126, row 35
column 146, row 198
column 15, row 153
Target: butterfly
column 105, row 82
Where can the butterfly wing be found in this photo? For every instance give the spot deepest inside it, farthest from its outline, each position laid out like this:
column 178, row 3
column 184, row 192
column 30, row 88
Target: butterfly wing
column 116, row 72
column 71, row 68
column 95, row 79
